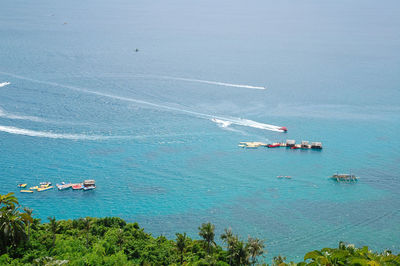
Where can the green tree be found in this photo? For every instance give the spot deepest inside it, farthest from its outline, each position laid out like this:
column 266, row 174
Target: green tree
column 12, row 228
column 279, row 260
column 53, row 225
column 8, row 201
column 255, row 247
column 230, row 240
column 87, row 223
column 181, row 244
column 206, row 231
column 27, row 216
column 240, row 253
column 12, row 222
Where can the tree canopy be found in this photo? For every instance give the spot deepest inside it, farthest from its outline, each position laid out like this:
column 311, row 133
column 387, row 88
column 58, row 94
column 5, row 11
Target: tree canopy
column 112, row 241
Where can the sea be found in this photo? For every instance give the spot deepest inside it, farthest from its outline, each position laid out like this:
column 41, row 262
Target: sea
column 151, row 99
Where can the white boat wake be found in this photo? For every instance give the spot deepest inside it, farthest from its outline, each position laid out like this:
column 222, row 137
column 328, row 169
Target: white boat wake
column 232, row 120
column 46, row 134
column 218, row 83
column 221, row 123
column 20, row 117
column 4, row 84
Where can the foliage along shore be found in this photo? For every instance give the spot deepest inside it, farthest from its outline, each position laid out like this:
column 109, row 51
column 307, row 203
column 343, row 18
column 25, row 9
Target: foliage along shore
column 111, row 241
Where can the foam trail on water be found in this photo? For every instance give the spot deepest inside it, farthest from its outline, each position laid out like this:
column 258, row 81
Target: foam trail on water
column 236, row 121
column 209, row 82
column 46, row 134
column 221, row 123
column 20, row 117
column 4, row 84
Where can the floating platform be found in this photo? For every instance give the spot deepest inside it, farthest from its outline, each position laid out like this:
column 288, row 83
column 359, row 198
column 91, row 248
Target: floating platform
column 245, row 144
column 44, row 188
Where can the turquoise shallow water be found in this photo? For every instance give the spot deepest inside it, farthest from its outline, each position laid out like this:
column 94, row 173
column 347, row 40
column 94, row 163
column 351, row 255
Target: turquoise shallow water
column 82, row 103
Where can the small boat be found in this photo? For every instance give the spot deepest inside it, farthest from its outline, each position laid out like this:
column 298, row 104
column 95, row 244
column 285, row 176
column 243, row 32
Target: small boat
column 89, row 185
column 284, row 129
column 45, row 183
column 22, row 185
column 274, row 145
column 63, row 186
column 344, row 177
column 88, row 188
column 77, row 186
column 26, row 191
column 288, row 177
column 44, row 188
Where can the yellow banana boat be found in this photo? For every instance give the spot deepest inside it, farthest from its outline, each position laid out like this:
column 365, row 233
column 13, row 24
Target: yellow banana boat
column 44, row 188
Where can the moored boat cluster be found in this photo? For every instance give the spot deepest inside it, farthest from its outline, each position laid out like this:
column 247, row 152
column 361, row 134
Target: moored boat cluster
column 43, row 186
column 289, row 144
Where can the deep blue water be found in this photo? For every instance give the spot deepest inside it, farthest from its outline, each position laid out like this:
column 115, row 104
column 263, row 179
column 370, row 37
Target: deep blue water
column 82, row 104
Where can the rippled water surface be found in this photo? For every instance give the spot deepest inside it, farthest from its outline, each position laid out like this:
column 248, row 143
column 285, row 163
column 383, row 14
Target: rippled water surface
column 77, row 102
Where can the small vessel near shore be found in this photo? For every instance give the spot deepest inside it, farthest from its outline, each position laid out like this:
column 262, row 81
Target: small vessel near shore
column 22, row 185
column 25, row 191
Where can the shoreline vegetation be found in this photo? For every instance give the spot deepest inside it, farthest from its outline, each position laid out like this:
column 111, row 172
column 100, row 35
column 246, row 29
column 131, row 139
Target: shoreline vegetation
column 24, row 240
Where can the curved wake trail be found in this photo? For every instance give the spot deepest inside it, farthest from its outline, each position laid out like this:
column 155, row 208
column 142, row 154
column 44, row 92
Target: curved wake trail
column 46, row 134
column 4, row 84
column 20, row 117
column 236, row 121
column 208, row 82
